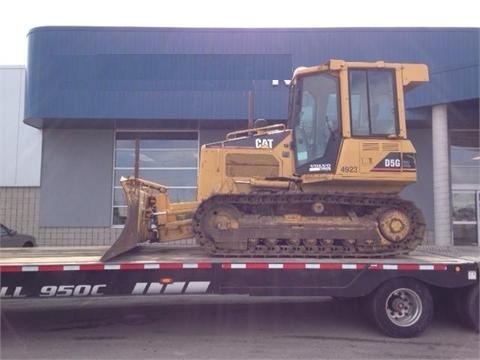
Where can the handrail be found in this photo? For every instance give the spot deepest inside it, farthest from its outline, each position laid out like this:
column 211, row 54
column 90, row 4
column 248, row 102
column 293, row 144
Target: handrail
column 254, row 131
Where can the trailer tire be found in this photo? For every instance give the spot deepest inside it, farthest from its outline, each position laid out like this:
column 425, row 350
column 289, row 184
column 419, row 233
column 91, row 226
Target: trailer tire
column 471, row 308
column 401, row 307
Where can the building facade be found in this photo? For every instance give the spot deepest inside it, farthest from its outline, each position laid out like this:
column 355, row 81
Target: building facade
column 91, row 92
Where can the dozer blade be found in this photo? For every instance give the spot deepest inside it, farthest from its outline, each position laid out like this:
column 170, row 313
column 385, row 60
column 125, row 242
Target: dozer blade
column 134, row 230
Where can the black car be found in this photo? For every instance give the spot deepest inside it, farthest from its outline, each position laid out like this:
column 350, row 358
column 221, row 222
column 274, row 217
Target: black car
column 10, row 238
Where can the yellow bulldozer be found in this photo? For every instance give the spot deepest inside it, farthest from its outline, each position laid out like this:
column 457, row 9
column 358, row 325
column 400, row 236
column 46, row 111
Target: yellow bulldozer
column 326, row 183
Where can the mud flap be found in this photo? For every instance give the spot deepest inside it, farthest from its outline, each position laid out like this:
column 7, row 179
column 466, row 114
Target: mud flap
column 134, row 230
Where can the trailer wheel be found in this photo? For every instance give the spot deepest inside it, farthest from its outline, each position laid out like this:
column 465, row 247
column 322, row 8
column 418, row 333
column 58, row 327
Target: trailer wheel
column 471, row 307
column 402, row 307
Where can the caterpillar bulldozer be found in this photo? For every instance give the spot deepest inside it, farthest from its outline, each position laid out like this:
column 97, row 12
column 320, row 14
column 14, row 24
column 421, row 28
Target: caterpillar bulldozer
column 325, row 184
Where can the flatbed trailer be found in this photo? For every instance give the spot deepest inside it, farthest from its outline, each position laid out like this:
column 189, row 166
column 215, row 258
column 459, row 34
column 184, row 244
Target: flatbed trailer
column 399, row 292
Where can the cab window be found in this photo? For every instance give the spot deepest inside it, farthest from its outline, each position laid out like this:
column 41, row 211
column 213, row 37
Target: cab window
column 373, row 109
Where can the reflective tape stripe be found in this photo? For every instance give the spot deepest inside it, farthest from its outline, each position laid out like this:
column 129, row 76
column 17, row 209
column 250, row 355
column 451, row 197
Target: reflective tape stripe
column 238, row 266
column 71, row 267
column 50, row 268
column 294, row 266
column 101, row 267
column 332, row 266
column 190, row 266
column 408, row 267
column 225, row 266
column 151, row 266
column 426, row 267
column 204, row 265
column 349, row 266
column 29, row 268
column 132, row 266
column 111, row 267
column 94, row 267
column 171, row 265
column 257, row 266
column 275, row 266
column 389, row 267
column 10, row 268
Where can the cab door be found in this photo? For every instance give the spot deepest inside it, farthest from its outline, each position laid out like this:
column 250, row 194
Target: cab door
column 317, row 130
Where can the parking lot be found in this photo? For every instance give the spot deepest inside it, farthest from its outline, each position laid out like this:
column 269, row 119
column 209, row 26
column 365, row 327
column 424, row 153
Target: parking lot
column 215, row 327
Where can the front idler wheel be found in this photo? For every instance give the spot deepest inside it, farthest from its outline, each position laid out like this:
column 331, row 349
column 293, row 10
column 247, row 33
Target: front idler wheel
column 394, row 225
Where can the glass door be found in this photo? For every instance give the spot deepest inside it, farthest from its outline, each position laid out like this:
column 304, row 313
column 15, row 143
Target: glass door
column 465, row 217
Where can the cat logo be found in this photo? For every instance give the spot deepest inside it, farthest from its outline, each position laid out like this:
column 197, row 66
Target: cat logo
column 264, row 143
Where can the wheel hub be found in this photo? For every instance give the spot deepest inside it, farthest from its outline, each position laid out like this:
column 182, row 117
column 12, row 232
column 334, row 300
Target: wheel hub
column 399, row 306
column 404, row 307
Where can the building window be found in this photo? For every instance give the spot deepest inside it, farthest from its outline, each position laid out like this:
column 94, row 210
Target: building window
column 465, row 176
column 169, row 158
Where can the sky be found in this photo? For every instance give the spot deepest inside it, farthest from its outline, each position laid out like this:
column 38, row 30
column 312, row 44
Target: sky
column 18, row 17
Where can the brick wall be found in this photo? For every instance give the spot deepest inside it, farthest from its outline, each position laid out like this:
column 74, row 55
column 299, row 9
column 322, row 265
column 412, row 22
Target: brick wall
column 19, row 210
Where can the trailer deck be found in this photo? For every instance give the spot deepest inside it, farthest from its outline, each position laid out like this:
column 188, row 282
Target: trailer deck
column 399, row 288
column 425, row 255
column 34, row 272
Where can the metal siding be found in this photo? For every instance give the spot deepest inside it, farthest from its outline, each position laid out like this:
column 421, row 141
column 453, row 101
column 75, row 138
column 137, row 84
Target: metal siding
column 76, row 192
column 455, row 84
column 143, row 73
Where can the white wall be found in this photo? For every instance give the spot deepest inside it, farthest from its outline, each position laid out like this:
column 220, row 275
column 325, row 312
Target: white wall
column 20, row 144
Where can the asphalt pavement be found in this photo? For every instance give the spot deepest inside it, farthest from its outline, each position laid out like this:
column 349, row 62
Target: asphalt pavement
column 215, row 327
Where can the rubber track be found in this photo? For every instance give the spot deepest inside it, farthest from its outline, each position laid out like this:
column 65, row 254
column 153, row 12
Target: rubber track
column 253, row 202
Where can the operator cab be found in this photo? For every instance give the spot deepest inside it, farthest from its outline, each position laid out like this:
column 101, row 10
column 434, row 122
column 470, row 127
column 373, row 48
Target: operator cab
column 320, row 120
